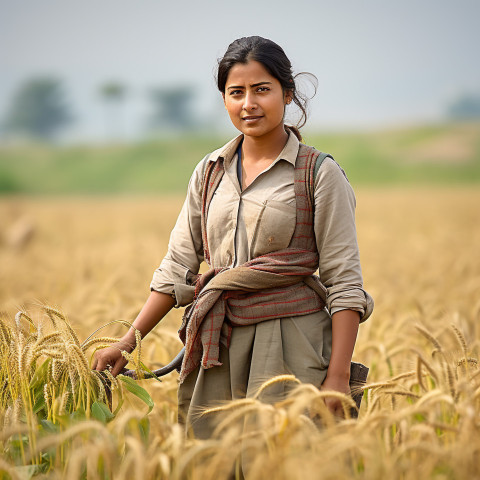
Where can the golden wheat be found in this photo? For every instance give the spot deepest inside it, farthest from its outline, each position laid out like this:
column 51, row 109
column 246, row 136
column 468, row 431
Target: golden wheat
column 419, row 415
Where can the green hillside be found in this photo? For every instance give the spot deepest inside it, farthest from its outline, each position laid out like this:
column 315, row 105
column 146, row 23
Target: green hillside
column 441, row 154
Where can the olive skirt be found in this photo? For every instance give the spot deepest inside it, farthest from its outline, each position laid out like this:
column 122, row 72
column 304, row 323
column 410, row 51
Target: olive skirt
column 300, row 346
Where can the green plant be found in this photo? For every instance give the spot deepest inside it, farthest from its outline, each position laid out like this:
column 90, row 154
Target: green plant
column 46, row 384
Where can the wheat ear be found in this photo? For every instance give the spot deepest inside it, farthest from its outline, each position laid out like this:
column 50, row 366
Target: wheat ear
column 277, row 379
column 429, row 337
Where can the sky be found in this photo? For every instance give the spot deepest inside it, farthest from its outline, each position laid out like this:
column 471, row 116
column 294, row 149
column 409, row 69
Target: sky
column 379, row 63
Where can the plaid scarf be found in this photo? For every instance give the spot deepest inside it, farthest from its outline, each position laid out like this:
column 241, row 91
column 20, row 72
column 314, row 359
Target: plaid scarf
column 275, row 285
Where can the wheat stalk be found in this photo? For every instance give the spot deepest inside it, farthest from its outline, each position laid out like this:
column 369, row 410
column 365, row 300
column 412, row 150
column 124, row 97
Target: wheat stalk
column 229, row 406
column 275, row 380
column 434, row 395
column 401, row 392
column 52, row 313
column 241, row 412
column 94, row 341
column 461, row 339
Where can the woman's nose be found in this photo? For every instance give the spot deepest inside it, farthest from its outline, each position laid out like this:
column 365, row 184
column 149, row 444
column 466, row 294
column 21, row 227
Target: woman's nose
column 249, row 102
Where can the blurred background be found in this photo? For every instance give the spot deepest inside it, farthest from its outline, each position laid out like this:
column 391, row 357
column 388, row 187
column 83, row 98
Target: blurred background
column 113, row 96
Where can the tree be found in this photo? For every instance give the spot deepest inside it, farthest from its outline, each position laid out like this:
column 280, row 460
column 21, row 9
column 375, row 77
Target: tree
column 466, row 107
column 39, row 109
column 113, row 93
column 172, row 107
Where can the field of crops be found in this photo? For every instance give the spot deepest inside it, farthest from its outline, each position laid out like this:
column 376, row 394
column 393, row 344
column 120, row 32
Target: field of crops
column 91, row 259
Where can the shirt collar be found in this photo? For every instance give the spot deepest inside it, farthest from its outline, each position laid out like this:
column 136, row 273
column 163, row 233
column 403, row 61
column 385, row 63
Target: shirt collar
column 227, row 152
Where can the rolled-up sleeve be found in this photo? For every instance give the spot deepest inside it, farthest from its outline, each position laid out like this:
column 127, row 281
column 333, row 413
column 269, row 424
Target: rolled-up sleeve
column 185, row 250
column 336, row 237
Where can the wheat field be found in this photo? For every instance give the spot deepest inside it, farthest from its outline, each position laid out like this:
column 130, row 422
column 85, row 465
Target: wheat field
column 92, row 259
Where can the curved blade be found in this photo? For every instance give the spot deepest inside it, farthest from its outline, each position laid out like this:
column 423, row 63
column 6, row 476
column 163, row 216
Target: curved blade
column 175, row 364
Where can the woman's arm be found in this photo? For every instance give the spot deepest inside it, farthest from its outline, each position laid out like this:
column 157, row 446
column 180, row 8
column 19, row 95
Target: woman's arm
column 155, row 308
column 340, row 272
column 185, row 246
column 344, row 334
column 169, row 283
column 336, row 237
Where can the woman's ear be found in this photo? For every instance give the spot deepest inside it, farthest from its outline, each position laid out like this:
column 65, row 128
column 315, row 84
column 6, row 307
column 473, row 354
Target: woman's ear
column 288, row 97
column 223, row 96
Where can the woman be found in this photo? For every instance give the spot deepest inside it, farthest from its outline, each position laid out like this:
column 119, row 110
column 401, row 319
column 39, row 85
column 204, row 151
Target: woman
column 264, row 212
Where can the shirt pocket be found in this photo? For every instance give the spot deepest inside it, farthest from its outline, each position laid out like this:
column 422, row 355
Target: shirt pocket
column 274, row 227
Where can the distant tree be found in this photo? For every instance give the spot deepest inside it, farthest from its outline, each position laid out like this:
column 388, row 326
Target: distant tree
column 38, row 109
column 113, row 93
column 172, row 107
column 465, row 107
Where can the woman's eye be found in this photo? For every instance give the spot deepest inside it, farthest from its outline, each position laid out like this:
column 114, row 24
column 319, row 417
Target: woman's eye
column 263, row 89
column 235, row 92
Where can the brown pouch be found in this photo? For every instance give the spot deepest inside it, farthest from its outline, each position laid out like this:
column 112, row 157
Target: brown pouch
column 358, row 379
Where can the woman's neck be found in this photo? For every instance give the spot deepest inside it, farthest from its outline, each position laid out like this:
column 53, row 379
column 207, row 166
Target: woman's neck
column 266, row 147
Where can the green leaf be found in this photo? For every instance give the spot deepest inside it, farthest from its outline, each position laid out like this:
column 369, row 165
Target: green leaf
column 17, row 441
column 49, row 427
column 39, row 404
column 78, row 415
column 138, row 391
column 64, row 420
column 146, row 369
column 26, row 472
column 119, row 406
column 101, row 412
column 144, row 427
column 39, row 378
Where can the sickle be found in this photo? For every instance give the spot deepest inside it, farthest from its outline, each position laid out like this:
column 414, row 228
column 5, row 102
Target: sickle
column 175, row 364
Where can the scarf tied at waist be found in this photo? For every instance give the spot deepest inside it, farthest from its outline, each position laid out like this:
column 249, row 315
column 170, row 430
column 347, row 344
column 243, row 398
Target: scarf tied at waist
column 275, row 285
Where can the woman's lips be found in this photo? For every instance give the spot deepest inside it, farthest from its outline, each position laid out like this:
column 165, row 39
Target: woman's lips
column 251, row 118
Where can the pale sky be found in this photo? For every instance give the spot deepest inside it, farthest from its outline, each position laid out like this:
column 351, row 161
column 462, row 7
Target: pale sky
column 378, row 62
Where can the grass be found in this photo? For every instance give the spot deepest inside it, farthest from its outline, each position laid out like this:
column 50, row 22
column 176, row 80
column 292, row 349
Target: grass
column 150, row 167
column 441, row 155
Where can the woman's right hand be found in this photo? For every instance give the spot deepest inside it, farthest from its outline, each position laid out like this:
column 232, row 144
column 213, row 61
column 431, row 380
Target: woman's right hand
column 156, row 307
column 110, row 358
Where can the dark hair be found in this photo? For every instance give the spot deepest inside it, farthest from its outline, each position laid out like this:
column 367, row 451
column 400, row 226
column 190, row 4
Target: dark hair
column 273, row 58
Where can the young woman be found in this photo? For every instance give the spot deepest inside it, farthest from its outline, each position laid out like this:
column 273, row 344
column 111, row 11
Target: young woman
column 264, row 211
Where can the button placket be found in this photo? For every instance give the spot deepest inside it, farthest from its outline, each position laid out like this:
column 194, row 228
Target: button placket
column 234, row 228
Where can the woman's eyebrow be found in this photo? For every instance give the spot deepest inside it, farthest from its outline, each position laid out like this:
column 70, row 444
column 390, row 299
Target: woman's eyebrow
column 260, row 83
column 253, row 85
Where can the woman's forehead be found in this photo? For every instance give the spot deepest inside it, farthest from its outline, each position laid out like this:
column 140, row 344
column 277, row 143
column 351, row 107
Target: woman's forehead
column 248, row 74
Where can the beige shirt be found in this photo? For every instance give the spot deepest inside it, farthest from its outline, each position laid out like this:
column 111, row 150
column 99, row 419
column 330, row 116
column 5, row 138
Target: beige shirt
column 242, row 225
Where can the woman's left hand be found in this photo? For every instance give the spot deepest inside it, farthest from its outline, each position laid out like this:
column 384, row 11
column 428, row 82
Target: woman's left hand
column 335, row 383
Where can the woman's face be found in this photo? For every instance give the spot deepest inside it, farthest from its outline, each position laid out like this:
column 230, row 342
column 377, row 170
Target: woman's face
column 254, row 99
